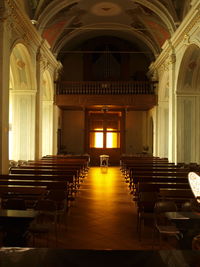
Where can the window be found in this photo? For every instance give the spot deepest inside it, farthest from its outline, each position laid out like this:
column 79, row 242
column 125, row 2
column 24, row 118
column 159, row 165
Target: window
column 105, row 133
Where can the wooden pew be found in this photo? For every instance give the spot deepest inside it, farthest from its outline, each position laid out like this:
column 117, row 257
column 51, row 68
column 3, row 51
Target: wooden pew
column 175, row 194
column 47, row 182
column 46, row 174
column 41, row 171
column 167, row 179
column 29, row 193
column 126, row 161
column 156, row 186
column 23, row 189
column 66, row 178
column 133, row 179
column 157, row 166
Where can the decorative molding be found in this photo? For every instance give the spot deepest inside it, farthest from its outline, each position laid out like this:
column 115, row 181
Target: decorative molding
column 187, row 94
column 136, row 102
column 172, row 59
column 186, row 39
column 22, row 28
column 23, row 92
column 182, row 35
column 42, row 60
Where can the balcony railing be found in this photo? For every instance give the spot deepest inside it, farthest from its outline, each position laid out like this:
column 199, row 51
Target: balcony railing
column 105, row 87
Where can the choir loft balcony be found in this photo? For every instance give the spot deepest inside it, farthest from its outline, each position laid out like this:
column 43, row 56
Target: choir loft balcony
column 137, row 95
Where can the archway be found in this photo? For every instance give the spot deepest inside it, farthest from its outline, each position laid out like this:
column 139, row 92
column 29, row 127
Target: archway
column 21, row 105
column 188, row 99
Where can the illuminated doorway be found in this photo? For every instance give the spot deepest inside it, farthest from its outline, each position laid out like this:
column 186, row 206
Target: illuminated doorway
column 104, row 135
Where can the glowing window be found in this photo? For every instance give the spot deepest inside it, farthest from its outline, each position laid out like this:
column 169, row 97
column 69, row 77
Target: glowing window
column 111, row 140
column 96, row 138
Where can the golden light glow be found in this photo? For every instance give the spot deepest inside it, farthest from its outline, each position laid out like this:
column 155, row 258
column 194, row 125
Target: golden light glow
column 111, row 140
column 103, row 182
column 98, row 138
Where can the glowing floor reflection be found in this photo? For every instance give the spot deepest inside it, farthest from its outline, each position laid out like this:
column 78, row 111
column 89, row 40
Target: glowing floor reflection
column 103, row 215
column 103, row 182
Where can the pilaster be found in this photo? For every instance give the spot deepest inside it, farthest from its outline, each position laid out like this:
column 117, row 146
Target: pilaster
column 40, row 66
column 172, row 149
column 4, row 86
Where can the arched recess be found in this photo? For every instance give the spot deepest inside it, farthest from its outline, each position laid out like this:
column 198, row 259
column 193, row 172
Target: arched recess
column 188, row 106
column 47, row 115
column 21, row 105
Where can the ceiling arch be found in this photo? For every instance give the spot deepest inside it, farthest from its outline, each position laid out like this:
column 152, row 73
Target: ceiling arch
column 60, row 19
column 77, row 37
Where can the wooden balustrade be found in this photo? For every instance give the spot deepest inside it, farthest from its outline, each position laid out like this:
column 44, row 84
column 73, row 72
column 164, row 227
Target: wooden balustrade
column 105, row 87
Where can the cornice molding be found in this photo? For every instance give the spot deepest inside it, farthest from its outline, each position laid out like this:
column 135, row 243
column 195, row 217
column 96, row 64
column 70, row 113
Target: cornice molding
column 23, row 92
column 182, row 35
column 21, row 24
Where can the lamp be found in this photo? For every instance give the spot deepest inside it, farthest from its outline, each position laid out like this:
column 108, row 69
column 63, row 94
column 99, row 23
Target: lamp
column 34, row 22
column 104, row 109
column 194, row 181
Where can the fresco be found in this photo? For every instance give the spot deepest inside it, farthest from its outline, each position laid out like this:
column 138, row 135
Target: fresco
column 57, row 24
column 21, row 68
column 159, row 32
column 53, row 31
column 191, row 68
column 146, row 21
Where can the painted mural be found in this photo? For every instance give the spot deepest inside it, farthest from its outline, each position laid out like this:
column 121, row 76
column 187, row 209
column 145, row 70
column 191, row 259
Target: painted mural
column 21, row 69
column 57, row 24
column 147, row 22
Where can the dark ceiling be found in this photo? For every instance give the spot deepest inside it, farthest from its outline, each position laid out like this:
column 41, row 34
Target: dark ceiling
column 65, row 24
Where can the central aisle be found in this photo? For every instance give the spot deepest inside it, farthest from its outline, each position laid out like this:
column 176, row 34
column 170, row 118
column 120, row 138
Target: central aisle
column 103, row 216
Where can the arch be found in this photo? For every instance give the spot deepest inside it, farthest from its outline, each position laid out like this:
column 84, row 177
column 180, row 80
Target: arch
column 118, row 30
column 160, row 10
column 56, row 33
column 57, row 6
column 21, row 105
column 21, row 65
column 189, row 71
column 188, row 100
column 47, row 114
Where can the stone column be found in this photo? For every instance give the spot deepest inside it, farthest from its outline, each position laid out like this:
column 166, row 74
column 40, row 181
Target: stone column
column 47, row 128
column 55, row 128
column 156, row 132
column 4, row 86
column 172, row 152
column 39, row 94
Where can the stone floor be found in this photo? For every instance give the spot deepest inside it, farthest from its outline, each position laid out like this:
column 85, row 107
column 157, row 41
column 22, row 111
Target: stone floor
column 102, row 217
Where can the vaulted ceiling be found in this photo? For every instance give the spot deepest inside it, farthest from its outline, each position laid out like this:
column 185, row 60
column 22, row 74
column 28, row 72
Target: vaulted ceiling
column 65, row 24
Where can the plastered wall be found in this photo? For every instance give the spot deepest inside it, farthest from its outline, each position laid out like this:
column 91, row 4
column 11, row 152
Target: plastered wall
column 73, row 131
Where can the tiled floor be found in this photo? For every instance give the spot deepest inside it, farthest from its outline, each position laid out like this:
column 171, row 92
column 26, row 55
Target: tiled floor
column 103, row 215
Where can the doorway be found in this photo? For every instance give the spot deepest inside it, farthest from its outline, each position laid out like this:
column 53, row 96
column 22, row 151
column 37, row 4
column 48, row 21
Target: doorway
column 104, row 135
